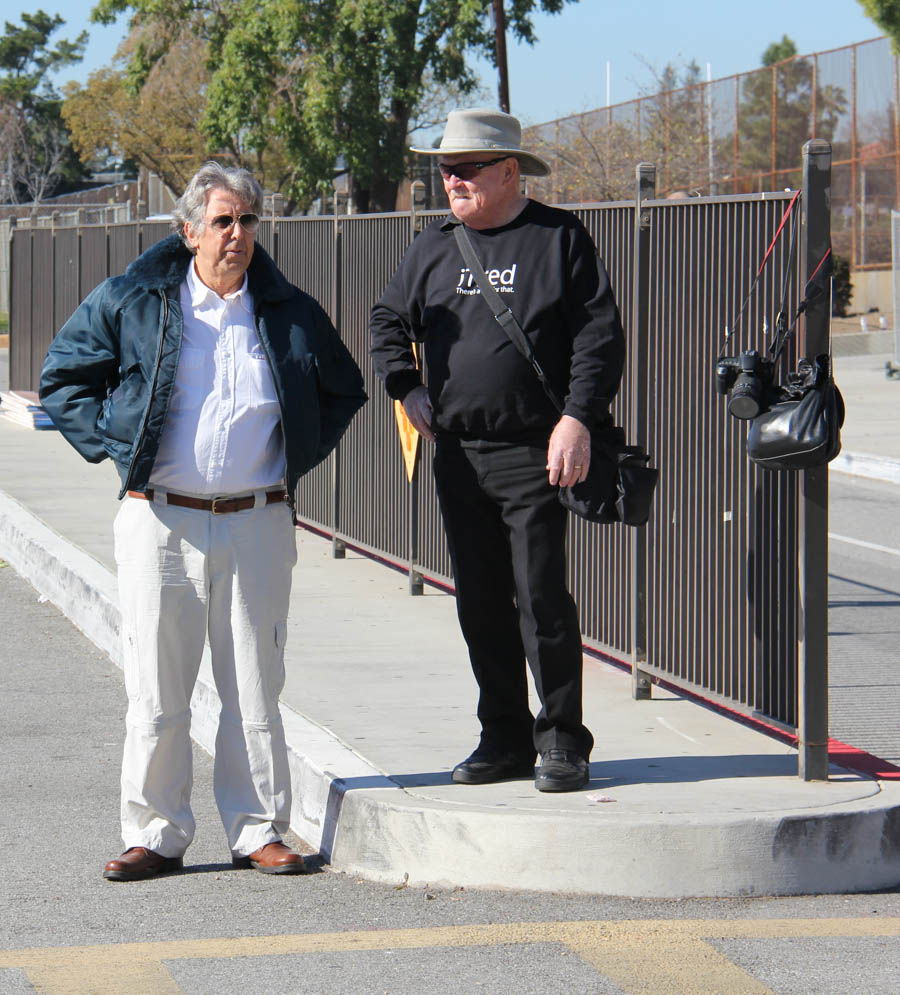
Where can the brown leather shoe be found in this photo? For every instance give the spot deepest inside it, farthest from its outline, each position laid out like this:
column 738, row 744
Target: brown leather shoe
column 138, row 862
column 273, row 858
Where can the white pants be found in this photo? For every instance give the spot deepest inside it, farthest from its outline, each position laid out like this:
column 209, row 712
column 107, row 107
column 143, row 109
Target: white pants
column 184, row 574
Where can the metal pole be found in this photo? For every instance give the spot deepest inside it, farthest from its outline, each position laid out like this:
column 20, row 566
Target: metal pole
column 274, row 233
column 895, row 93
column 338, row 546
column 12, row 300
column 892, row 367
column 854, row 251
column 862, row 216
column 416, row 583
column 813, row 532
column 774, row 129
column 645, row 175
column 735, row 149
column 502, row 69
column 710, row 154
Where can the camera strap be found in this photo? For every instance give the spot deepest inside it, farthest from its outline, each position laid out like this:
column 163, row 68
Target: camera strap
column 816, row 285
column 504, row 317
column 782, row 331
column 740, row 314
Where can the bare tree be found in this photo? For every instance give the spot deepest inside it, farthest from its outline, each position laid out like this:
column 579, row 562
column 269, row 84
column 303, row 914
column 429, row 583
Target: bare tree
column 9, row 141
column 35, row 157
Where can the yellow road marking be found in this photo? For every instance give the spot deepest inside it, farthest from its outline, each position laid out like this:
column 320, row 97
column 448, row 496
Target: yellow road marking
column 642, row 956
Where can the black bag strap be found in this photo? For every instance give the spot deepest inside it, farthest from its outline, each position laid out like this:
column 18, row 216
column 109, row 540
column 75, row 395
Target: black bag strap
column 504, row 317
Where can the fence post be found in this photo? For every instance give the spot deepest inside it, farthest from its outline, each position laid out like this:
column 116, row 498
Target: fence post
column 638, row 389
column 416, row 582
column 812, row 647
column 14, row 344
column 338, row 546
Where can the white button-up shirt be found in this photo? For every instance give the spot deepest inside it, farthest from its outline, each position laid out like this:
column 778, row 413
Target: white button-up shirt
column 223, row 429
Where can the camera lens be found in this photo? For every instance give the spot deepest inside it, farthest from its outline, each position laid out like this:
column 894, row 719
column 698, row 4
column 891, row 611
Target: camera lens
column 745, row 396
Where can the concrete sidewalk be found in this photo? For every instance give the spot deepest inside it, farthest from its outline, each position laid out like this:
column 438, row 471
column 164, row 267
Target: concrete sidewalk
column 870, row 436
column 379, row 706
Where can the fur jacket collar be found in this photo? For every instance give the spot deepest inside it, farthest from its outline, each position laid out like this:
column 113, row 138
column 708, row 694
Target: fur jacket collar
column 164, row 266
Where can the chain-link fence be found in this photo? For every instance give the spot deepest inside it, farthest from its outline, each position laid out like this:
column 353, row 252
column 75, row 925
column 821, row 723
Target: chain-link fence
column 4, row 265
column 739, row 135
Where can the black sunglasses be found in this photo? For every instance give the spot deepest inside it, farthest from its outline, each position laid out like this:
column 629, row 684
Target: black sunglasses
column 223, row 222
column 467, row 170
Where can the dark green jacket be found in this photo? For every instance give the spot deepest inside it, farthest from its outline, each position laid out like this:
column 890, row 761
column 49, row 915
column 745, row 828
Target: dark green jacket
column 108, row 375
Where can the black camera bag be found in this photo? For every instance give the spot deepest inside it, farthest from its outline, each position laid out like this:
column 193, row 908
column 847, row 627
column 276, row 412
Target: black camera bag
column 802, row 424
column 799, row 423
column 619, row 485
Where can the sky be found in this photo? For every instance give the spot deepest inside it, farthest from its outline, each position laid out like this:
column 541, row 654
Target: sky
column 566, row 71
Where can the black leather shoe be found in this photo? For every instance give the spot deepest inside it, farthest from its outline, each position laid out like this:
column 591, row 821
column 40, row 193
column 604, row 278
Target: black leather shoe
column 486, row 768
column 562, row 770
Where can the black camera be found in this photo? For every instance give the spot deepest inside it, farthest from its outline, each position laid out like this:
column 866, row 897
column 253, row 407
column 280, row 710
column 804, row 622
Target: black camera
column 749, row 378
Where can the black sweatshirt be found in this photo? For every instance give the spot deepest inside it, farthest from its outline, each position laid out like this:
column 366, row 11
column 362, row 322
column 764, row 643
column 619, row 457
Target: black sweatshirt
column 546, row 269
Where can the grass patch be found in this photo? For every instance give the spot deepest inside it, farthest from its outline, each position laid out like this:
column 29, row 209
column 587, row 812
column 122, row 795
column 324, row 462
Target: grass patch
column 4, row 322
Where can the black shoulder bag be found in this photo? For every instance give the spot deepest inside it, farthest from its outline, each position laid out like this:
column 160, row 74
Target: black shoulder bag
column 801, row 427
column 800, row 423
column 620, row 484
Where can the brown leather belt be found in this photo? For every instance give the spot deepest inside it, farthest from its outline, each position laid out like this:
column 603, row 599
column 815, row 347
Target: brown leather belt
column 217, row 505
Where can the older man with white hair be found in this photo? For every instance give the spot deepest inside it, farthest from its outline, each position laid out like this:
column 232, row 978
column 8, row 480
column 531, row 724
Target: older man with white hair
column 214, row 385
column 502, row 449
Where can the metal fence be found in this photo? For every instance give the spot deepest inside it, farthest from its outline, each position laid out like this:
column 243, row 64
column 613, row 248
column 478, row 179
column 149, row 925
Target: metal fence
column 5, row 228
column 94, row 214
column 77, row 216
column 739, row 134
column 707, row 595
column 893, row 367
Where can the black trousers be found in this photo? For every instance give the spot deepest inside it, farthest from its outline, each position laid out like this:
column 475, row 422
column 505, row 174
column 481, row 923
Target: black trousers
column 506, row 532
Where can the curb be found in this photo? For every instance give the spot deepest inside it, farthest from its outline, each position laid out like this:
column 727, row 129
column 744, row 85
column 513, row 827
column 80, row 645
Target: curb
column 862, row 343
column 413, row 829
column 866, row 465
column 81, row 587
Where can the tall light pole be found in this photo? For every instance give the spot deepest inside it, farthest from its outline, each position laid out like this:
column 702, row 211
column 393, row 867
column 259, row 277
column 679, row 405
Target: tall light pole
column 503, row 71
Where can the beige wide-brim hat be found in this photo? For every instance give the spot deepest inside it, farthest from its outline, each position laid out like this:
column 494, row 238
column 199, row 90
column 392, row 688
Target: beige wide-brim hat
column 483, row 129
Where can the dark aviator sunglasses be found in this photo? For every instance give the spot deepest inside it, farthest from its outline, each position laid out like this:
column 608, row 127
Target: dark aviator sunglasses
column 223, row 222
column 467, row 170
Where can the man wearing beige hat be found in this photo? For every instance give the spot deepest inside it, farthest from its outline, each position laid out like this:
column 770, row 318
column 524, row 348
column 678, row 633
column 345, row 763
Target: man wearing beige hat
column 502, row 449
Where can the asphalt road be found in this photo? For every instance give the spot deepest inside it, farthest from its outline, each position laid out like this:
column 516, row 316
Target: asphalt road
column 863, row 616
column 216, row 931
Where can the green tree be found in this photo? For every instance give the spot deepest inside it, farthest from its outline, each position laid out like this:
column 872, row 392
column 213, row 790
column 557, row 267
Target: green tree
column 36, row 154
column 329, row 79
column 886, row 14
column 775, row 114
column 156, row 127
